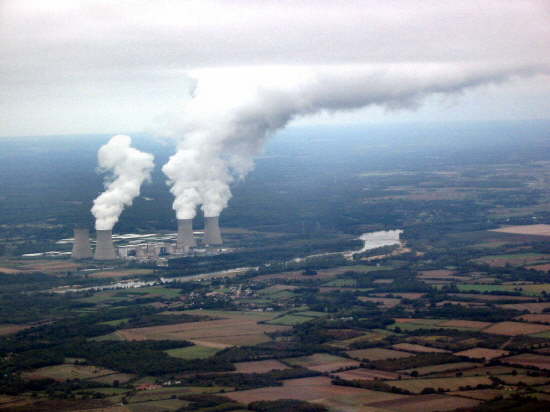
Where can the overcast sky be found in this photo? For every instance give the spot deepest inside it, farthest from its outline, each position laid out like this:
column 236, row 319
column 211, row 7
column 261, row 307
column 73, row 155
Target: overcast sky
column 109, row 66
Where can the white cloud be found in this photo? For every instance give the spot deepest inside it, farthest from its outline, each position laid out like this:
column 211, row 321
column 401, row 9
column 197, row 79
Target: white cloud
column 104, row 66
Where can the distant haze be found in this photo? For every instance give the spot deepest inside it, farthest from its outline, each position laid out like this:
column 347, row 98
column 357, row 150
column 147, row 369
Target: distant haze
column 102, row 66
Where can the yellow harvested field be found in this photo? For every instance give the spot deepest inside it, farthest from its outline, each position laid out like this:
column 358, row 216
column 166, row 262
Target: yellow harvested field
column 483, row 353
column 535, row 230
column 235, row 329
column 516, row 328
column 51, row 266
column 411, row 347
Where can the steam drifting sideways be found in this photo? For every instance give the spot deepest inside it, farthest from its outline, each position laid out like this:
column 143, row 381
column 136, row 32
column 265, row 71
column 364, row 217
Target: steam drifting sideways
column 233, row 112
column 128, row 168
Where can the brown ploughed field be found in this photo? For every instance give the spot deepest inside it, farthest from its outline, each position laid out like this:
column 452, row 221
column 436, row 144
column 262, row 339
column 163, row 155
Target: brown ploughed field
column 529, row 359
column 262, row 366
column 425, row 403
column 483, row 353
column 516, row 328
column 411, row 347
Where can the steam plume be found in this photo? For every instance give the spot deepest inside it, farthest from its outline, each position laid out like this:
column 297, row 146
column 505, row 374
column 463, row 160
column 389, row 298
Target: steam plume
column 128, row 168
column 233, row 111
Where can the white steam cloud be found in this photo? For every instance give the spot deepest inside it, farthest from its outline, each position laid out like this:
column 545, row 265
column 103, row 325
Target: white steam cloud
column 128, row 168
column 233, row 111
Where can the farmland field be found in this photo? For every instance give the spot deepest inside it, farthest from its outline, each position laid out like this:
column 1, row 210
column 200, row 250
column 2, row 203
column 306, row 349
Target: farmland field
column 262, row 366
column 446, row 367
column 374, row 354
column 535, row 307
column 321, row 362
column 529, row 359
column 536, row 230
column 536, row 317
column 481, row 394
column 469, row 324
column 289, row 320
column 68, row 371
column 516, row 259
column 516, row 328
column 452, row 384
column 120, row 273
column 8, row 329
column 366, row 374
column 411, row 347
column 237, row 329
column 312, row 389
column 192, row 352
column 385, row 302
column 483, row 353
column 424, row 403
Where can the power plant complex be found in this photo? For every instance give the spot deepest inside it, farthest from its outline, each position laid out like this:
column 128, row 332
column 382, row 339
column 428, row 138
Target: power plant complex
column 184, row 243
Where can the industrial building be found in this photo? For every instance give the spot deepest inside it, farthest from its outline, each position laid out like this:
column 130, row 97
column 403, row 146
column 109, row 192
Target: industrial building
column 150, row 248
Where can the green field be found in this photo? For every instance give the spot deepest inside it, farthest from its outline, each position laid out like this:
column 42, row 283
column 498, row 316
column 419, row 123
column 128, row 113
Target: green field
column 469, row 287
column 289, row 320
column 341, row 283
column 159, row 290
column 115, row 322
column 417, row 324
column 192, row 352
column 365, row 268
column 310, row 313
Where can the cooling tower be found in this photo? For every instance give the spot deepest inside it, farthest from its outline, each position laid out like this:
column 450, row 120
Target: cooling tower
column 212, row 234
column 185, row 238
column 81, row 245
column 104, row 248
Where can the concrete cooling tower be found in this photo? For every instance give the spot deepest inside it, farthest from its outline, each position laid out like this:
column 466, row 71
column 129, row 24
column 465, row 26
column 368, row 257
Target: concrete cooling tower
column 185, row 238
column 104, row 248
column 81, row 245
column 212, row 233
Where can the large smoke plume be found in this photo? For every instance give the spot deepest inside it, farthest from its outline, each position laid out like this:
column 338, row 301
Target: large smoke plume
column 128, row 168
column 233, row 111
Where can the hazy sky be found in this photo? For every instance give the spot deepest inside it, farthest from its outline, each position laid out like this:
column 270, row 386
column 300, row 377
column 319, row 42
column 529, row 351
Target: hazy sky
column 109, row 66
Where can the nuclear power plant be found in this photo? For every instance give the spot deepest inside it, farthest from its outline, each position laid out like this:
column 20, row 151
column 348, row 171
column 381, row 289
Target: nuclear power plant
column 81, row 245
column 185, row 239
column 212, row 233
column 149, row 247
column 104, row 248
